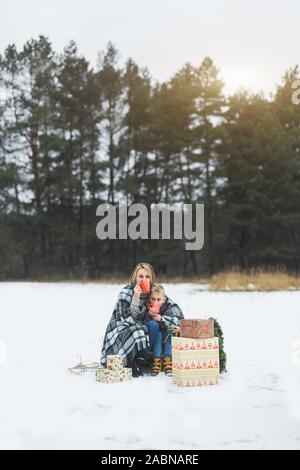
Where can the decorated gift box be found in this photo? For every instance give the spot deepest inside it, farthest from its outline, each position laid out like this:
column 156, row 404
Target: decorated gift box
column 197, row 328
column 113, row 375
column 189, row 345
column 115, row 371
column 195, row 378
column 114, row 362
column 196, row 362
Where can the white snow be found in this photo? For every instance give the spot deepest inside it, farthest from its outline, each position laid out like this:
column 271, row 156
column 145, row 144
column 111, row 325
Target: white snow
column 44, row 326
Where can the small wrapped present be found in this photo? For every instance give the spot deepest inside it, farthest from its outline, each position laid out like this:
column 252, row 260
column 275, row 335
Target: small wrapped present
column 114, row 362
column 197, row 328
column 113, row 375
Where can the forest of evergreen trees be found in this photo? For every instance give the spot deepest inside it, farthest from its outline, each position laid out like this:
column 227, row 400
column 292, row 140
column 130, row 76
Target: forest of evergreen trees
column 73, row 136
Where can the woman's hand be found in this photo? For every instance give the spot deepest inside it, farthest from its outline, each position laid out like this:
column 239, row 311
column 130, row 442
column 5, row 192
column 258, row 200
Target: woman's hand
column 137, row 292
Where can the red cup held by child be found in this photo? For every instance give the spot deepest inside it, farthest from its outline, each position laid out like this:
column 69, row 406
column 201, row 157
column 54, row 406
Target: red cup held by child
column 155, row 305
column 145, row 286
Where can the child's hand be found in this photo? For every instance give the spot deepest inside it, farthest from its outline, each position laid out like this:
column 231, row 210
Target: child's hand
column 156, row 317
column 153, row 311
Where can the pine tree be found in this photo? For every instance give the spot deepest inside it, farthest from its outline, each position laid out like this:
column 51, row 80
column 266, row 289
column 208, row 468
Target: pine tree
column 134, row 145
column 288, row 114
column 77, row 171
column 254, row 163
column 111, row 85
column 210, row 105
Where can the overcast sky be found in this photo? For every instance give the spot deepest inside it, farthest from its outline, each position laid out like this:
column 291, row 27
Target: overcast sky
column 252, row 42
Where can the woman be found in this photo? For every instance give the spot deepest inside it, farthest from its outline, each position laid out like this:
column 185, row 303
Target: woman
column 126, row 333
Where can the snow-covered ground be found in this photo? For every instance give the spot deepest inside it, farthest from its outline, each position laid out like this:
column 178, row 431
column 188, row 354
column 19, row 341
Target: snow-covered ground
column 44, row 326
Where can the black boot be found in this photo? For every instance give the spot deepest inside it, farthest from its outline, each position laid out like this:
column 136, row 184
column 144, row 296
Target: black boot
column 137, row 367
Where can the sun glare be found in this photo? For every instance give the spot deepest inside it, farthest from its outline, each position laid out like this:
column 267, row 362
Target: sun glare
column 238, row 78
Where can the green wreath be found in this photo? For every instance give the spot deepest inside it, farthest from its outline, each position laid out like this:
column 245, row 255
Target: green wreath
column 219, row 333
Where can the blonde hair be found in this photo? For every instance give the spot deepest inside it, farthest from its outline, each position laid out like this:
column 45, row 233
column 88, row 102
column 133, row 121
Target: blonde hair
column 158, row 288
column 148, row 268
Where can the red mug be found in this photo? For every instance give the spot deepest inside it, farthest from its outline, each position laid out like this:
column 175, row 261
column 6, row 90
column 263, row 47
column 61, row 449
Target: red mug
column 145, row 286
column 155, row 305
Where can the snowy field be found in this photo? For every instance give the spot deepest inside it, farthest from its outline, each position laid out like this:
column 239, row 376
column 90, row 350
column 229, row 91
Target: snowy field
column 44, row 326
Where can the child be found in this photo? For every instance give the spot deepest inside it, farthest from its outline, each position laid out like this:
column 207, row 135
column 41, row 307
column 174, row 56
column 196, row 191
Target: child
column 162, row 316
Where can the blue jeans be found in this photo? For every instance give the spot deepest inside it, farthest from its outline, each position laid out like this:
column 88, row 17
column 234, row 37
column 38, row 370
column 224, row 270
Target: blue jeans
column 156, row 335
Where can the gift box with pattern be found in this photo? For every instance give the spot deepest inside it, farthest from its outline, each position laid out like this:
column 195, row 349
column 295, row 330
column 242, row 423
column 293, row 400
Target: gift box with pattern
column 190, row 345
column 113, row 375
column 196, row 362
column 197, row 328
column 114, row 362
column 194, row 379
column 115, row 371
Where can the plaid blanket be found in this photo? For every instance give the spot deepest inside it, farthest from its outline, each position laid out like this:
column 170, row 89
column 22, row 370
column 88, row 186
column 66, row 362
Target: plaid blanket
column 126, row 333
column 171, row 314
